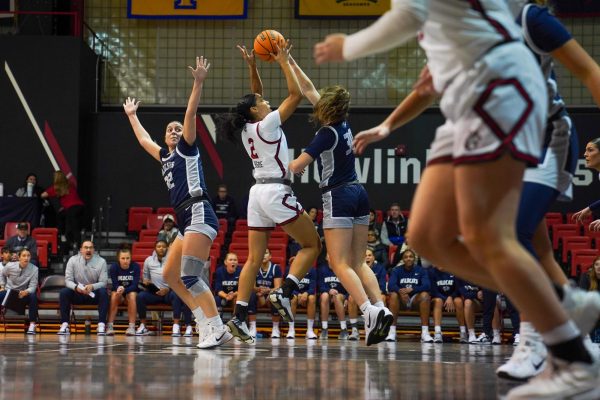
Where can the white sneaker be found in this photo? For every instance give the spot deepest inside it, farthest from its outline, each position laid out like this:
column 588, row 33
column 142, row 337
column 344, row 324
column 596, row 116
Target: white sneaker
column 463, row 338
column 426, row 337
column 472, row 339
column 497, row 339
column 311, row 335
column 240, row 330
column 373, row 324
column 130, row 331
column 517, row 339
column 142, row 331
column 437, row 338
column 176, row 331
column 354, row 335
column 252, row 331
column 189, row 331
column 291, row 334
column 483, row 339
column 31, row 329
column 275, row 334
column 528, row 360
column 64, row 329
column 101, row 330
column 591, row 347
column 391, row 337
column 110, row 330
column 216, row 336
column 583, row 307
column 567, row 380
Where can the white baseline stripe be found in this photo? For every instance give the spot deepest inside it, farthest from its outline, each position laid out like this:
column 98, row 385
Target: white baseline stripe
column 30, row 115
column 210, row 125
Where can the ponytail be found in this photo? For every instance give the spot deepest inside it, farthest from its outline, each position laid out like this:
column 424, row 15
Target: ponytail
column 230, row 125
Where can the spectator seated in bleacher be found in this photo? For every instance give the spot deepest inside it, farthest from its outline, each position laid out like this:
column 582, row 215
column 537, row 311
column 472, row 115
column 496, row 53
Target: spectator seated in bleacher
column 6, row 257
column 393, row 229
column 373, row 224
column 31, row 188
column 381, row 275
column 313, row 213
column 158, row 292
column 125, row 278
column 305, row 297
column 380, row 250
column 227, row 278
column 269, row 277
column 589, row 280
column 224, row 206
column 86, row 279
column 22, row 240
column 168, row 232
column 445, row 297
column 331, row 291
column 472, row 298
column 22, row 277
column 409, row 286
column 490, row 318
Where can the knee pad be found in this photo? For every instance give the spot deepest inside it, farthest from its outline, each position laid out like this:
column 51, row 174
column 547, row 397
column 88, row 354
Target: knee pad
column 194, row 274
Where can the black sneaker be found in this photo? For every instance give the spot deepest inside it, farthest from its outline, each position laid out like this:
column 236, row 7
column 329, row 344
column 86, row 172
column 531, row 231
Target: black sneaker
column 282, row 304
column 240, row 330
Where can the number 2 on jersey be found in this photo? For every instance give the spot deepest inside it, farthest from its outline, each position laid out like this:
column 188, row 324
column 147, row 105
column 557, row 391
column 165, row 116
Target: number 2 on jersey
column 253, row 154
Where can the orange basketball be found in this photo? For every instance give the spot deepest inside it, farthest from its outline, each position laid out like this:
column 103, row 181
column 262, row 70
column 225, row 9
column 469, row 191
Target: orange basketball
column 265, row 44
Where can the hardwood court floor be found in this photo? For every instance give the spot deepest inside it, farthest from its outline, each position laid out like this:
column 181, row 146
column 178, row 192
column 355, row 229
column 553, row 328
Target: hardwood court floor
column 90, row 367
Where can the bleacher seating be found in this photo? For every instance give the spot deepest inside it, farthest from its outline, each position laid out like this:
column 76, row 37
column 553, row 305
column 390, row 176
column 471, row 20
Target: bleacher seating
column 581, row 260
column 574, row 242
column 10, row 229
column 48, row 234
column 148, row 235
column 137, row 217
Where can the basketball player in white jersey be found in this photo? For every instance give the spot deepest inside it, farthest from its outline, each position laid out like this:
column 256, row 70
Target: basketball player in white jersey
column 495, row 103
column 271, row 201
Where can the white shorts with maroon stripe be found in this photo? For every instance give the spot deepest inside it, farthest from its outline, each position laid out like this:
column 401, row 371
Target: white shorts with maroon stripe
column 272, row 204
column 499, row 105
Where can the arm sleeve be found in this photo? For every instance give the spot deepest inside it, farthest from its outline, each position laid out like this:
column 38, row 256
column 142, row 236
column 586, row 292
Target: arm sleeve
column 2, row 277
column 543, row 31
column 146, row 269
column 70, row 274
column 392, row 29
column 103, row 278
column 325, row 139
column 393, row 282
column 595, row 206
column 267, row 128
column 136, row 279
column 33, row 283
column 383, row 236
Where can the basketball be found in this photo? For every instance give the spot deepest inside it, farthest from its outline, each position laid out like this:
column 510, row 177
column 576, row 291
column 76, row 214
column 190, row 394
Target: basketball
column 264, row 43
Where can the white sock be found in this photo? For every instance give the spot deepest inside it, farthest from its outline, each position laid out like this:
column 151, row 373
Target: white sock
column 496, row 332
column 393, row 330
column 364, row 306
column 131, row 325
column 291, row 326
column 175, row 326
column 110, row 324
column 424, row 329
column 437, row 329
column 471, row 332
column 199, row 315
column 343, row 325
column 242, row 303
column 560, row 334
column 215, row 321
column 463, row 329
column 379, row 304
column 275, row 325
column 253, row 325
column 309, row 324
column 526, row 328
column 324, row 324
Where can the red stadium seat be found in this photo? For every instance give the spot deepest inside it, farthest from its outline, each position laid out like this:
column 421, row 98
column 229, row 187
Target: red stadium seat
column 379, row 216
column 241, row 224
column 137, row 218
column 42, row 253
column 582, row 259
column 154, row 221
column 241, row 250
column 562, row 230
column 148, row 235
column 49, row 234
column 278, row 250
column 142, row 249
column 239, row 236
column 392, row 251
column 223, row 226
column 10, row 229
column 220, row 239
column 595, row 235
column 166, row 210
column 140, row 258
column 574, row 242
column 586, row 220
column 553, row 218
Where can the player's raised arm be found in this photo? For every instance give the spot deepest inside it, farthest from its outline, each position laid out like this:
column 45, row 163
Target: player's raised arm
column 308, row 88
column 256, row 85
column 189, row 123
column 290, row 103
column 130, row 106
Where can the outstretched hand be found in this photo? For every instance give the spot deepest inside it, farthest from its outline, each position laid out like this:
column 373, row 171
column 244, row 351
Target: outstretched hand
column 130, row 106
column 364, row 138
column 248, row 56
column 331, row 49
column 201, row 71
column 283, row 53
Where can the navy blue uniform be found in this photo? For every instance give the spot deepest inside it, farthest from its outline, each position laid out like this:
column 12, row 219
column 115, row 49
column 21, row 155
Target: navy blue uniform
column 226, row 282
column 467, row 290
column 184, row 177
column 327, row 280
column 308, row 283
column 416, row 278
column 443, row 284
column 267, row 278
column 381, row 274
column 345, row 201
column 128, row 278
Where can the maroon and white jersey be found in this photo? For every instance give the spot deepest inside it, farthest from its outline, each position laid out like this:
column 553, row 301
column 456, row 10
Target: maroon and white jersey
column 267, row 147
